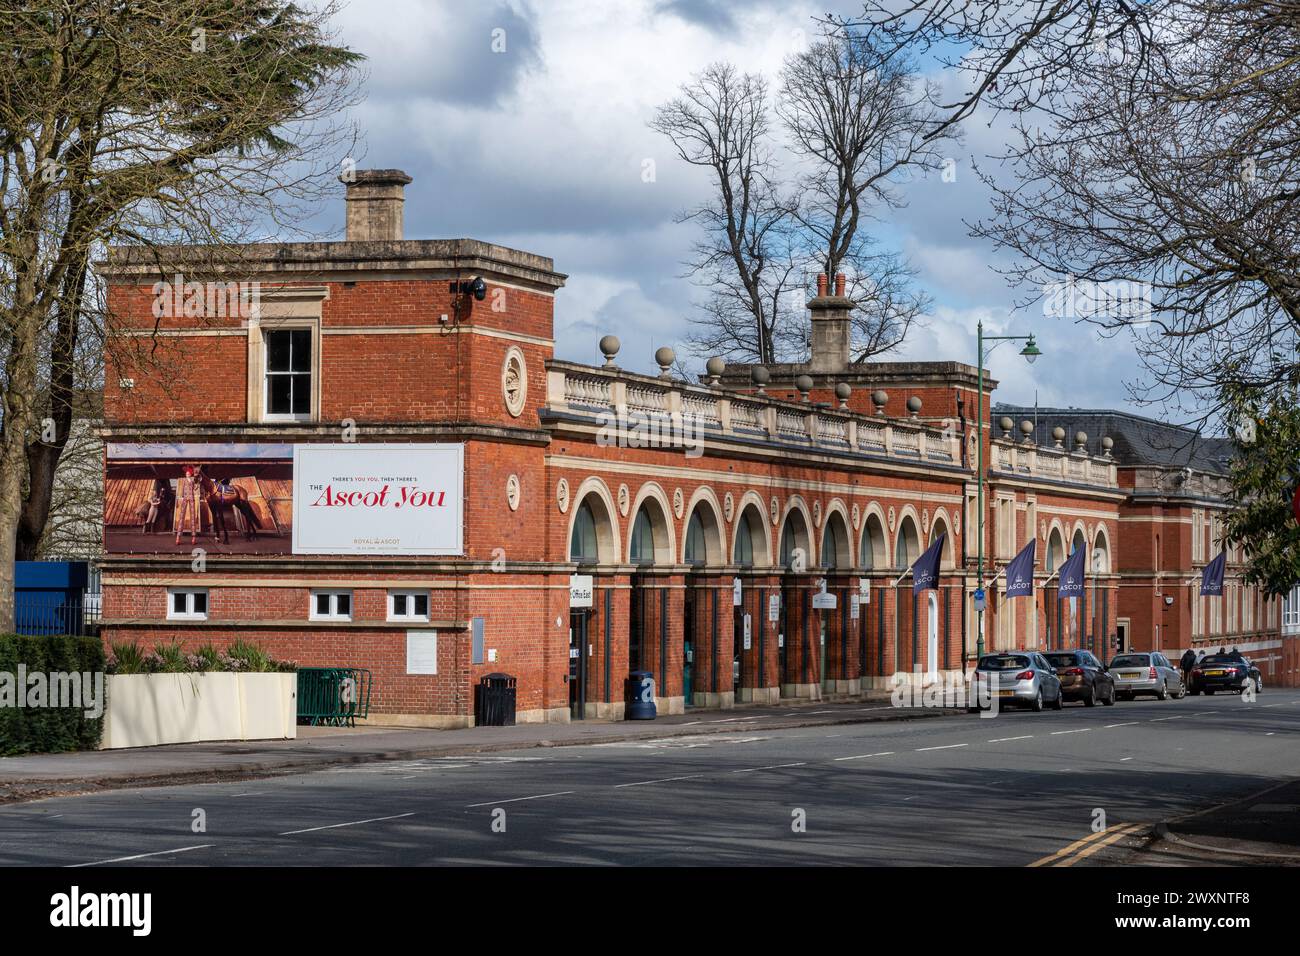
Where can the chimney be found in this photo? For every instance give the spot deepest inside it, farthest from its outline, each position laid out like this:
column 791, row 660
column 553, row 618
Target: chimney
column 830, row 327
column 375, row 204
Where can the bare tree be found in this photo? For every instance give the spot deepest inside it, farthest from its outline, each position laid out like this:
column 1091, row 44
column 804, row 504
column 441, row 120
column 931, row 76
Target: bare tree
column 158, row 122
column 721, row 122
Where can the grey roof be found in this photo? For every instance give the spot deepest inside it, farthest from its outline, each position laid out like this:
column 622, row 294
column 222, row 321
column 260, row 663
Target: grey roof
column 1138, row 440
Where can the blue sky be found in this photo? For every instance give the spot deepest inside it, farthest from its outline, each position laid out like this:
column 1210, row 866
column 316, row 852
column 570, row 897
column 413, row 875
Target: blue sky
column 541, row 147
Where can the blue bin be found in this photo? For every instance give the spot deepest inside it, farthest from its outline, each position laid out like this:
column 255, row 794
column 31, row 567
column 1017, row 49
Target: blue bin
column 641, row 696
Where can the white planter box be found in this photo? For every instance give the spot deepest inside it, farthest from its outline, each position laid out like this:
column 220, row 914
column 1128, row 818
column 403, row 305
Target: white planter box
column 144, row 710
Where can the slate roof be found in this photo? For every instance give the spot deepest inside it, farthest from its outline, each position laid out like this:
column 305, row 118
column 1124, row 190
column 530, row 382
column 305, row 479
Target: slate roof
column 1138, row 440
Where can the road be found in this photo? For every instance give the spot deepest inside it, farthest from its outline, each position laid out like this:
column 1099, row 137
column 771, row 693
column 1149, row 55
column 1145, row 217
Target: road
column 1018, row 789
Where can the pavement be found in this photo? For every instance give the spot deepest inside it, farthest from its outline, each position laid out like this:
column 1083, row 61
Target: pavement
column 1080, row 787
column 34, row 776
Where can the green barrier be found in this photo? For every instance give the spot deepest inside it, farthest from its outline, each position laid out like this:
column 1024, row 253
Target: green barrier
column 333, row 696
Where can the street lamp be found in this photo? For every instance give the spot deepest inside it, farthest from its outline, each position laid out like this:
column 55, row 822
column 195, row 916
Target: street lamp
column 1031, row 353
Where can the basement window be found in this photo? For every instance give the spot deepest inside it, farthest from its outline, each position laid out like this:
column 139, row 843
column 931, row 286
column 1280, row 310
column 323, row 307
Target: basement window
column 408, row 606
column 187, row 604
column 331, row 606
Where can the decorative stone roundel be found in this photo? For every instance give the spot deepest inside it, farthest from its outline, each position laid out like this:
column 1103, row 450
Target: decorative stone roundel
column 624, row 500
column 562, row 496
column 891, row 517
column 776, row 511
column 679, row 503
column 1042, row 530
column 512, row 492
column 956, row 524
column 925, row 521
column 817, row 514
column 514, row 381
column 729, row 506
column 857, row 516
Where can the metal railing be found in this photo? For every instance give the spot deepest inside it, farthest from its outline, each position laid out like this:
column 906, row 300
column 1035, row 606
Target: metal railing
column 333, row 696
column 42, row 617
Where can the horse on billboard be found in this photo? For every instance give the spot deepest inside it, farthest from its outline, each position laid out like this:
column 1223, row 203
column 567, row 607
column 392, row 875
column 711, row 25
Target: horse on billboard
column 221, row 495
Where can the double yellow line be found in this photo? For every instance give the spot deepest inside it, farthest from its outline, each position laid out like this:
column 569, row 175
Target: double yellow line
column 1082, row 849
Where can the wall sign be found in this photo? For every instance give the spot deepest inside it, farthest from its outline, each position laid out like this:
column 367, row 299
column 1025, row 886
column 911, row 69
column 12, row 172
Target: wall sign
column 580, row 588
column 361, row 498
column 774, row 609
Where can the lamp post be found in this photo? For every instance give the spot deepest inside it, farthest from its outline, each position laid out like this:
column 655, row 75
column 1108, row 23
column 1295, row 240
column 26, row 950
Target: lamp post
column 1031, row 353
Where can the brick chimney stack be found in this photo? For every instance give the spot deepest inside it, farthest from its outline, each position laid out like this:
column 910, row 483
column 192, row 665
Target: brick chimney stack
column 375, row 198
column 830, row 327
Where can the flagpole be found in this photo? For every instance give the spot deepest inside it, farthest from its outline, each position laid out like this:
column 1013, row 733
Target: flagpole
column 901, row 576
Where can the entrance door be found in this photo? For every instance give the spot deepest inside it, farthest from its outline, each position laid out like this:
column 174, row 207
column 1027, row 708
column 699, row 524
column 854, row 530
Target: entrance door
column 821, row 631
column 1121, row 632
column 932, row 640
column 577, row 664
column 689, row 637
column 738, row 646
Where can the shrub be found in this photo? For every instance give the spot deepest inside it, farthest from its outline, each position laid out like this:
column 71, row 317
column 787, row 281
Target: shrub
column 251, row 657
column 47, row 729
column 170, row 658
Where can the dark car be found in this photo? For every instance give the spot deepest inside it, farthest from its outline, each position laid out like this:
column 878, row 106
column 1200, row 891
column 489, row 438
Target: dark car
column 1226, row 672
column 1083, row 677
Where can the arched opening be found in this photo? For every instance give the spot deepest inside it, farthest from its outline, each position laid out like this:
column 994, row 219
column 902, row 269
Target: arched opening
column 795, row 542
column 703, row 538
column 701, row 548
column 835, row 544
column 908, row 546
column 873, row 551
column 593, row 540
column 649, row 544
column 1055, row 550
column 940, row 529
column 1100, row 554
column 751, row 544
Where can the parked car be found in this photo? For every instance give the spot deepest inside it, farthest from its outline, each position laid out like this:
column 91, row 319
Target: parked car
column 1083, row 677
column 1021, row 678
column 1226, row 672
column 1146, row 673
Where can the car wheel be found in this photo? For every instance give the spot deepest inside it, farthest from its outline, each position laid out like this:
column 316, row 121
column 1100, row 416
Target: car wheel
column 1163, row 692
column 1059, row 703
column 1037, row 705
column 1259, row 685
column 1109, row 699
column 1091, row 699
column 1182, row 692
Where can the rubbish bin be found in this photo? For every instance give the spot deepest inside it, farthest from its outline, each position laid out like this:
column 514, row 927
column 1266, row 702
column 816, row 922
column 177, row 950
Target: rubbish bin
column 640, row 696
column 494, row 701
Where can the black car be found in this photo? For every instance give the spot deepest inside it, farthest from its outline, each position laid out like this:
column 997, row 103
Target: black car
column 1083, row 677
column 1226, row 672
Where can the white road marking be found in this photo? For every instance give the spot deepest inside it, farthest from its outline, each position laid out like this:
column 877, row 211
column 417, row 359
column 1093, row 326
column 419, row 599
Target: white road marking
column 644, row 783
column 1129, row 724
column 883, row 753
column 538, row 796
column 945, row 747
column 1269, row 734
column 141, row 856
column 1156, row 720
column 775, row 766
column 335, row 826
column 1000, row 740
column 1081, row 730
column 1122, row 759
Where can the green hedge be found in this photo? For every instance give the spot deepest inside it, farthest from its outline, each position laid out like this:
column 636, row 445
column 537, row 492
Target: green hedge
column 47, row 729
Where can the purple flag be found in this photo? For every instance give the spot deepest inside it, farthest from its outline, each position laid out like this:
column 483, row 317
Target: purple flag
column 1020, row 573
column 925, row 572
column 1212, row 576
column 1072, row 573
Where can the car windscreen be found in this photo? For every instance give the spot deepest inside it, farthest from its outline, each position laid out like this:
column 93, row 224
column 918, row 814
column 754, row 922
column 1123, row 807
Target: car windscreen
column 1219, row 659
column 1131, row 660
column 1003, row 662
column 1062, row 660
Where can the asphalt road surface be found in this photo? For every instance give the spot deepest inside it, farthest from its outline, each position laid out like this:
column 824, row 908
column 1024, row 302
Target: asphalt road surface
column 1017, row 789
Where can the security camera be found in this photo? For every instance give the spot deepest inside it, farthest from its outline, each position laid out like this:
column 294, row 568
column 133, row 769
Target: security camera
column 475, row 287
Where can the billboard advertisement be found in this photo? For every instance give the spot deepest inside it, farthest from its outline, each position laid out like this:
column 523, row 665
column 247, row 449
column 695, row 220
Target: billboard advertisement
column 268, row 499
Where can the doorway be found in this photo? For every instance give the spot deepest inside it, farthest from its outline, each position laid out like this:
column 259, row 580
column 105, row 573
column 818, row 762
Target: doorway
column 1121, row 636
column 578, row 654
column 689, row 626
column 932, row 638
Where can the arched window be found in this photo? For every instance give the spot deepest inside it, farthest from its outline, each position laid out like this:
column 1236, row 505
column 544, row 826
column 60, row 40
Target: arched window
column 794, row 538
column 583, row 547
column 696, row 548
column 744, row 543
column 835, row 544
column 643, row 539
column 907, row 549
column 1055, row 551
column 873, row 552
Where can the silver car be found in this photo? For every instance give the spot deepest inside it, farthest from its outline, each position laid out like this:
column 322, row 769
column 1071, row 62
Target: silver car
column 1146, row 673
column 1023, row 678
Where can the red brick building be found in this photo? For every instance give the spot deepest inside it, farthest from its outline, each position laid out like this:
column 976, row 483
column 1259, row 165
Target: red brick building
column 718, row 521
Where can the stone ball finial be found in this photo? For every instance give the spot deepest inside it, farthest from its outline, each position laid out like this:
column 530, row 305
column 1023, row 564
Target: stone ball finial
column 1080, row 439
column 914, row 406
column 1058, row 435
column 760, row 376
column 805, row 385
column 664, row 358
column 1027, row 430
column 609, row 346
column 1006, row 424
column 715, row 367
column 880, row 398
column 842, row 391
column 1107, row 443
